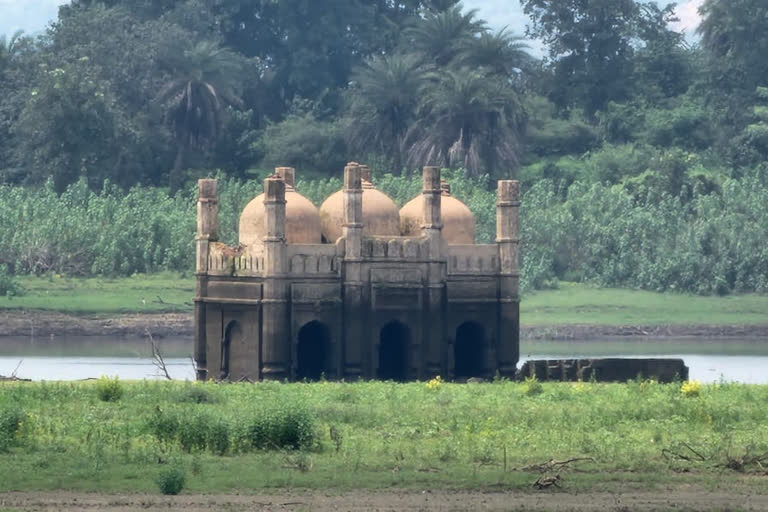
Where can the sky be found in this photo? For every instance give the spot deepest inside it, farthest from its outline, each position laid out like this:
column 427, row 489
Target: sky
column 33, row 15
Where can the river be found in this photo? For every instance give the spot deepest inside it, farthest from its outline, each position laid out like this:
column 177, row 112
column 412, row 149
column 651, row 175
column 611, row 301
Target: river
column 72, row 358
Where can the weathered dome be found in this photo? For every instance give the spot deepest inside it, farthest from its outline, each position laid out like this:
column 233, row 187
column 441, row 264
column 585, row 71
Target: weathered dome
column 302, row 220
column 458, row 220
column 380, row 217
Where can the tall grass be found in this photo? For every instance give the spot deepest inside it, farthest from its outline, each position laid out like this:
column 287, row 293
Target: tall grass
column 61, row 435
column 710, row 242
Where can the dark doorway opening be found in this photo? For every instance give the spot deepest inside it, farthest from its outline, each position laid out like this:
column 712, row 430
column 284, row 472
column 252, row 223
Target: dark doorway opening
column 469, row 351
column 312, row 351
column 233, row 331
column 394, row 340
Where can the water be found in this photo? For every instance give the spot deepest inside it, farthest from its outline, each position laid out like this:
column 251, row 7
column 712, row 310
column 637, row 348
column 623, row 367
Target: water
column 72, row 358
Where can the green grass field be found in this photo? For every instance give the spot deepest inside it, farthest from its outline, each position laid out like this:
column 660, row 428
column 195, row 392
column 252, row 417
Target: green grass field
column 331, row 435
column 156, row 293
column 570, row 304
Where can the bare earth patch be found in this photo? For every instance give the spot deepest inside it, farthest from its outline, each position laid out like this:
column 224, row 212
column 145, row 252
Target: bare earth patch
column 49, row 323
column 675, row 499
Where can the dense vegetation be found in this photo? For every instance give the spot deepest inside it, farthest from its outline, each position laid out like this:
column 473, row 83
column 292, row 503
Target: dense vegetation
column 642, row 156
column 114, row 436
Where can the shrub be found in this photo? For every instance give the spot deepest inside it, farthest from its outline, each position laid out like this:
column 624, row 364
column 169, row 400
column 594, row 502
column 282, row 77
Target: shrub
column 197, row 395
column 532, row 386
column 434, row 384
column 291, row 427
column 171, row 480
column 691, row 388
column 109, row 389
column 9, row 286
column 11, row 419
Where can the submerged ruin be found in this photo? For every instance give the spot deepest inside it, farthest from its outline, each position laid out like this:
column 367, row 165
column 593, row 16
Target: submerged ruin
column 356, row 288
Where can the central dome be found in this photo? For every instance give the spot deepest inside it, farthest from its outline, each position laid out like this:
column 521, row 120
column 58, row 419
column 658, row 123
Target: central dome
column 302, row 220
column 458, row 221
column 380, row 216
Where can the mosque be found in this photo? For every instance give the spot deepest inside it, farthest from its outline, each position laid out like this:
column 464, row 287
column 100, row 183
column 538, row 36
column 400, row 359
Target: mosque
column 356, row 288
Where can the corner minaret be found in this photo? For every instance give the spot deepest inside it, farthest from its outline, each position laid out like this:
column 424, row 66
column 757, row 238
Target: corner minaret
column 434, row 362
column 276, row 350
column 207, row 232
column 352, row 288
column 508, row 240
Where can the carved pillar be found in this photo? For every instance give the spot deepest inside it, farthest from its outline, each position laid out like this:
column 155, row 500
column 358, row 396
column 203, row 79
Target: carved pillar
column 508, row 240
column 354, row 311
column 207, row 232
column 433, row 351
column 276, row 347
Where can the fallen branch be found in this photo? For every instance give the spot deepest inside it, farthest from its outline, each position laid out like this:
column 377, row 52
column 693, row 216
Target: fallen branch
column 553, row 465
column 157, row 356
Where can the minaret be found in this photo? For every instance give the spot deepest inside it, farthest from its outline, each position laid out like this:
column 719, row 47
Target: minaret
column 276, row 347
column 433, row 350
column 207, row 232
column 508, row 240
column 354, row 314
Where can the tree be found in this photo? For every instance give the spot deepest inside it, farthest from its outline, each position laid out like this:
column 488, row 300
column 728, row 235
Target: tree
column 9, row 48
column 383, row 100
column 206, row 79
column 71, row 127
column 441, row 35
column 469, row 121
column 590, row 45
column 502, row 53
column 733, row 32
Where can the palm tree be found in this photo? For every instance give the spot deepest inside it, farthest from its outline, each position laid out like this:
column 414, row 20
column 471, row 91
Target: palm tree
column 207, row 78
column 440, row 36
column 469, row 120
column 503, row 53
column 9, row 47
column 384, row 99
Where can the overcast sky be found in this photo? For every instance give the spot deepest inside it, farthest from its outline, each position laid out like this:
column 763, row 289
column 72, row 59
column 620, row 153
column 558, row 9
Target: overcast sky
column 33, row 15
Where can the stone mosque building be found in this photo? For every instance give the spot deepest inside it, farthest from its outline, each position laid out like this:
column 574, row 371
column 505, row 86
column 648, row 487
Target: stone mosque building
column 356, row 288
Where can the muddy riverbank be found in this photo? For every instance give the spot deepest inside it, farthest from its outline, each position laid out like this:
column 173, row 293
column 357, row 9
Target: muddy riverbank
column 47, row 324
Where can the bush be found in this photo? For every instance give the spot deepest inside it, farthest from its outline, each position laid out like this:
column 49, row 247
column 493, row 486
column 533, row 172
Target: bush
column 9, row 287
column 302, row 141
column 109, row 389
column 291, row 427
column 171, row 480
column 11, row 419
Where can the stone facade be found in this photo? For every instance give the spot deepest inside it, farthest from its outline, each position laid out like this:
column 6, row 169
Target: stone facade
column 362, row 306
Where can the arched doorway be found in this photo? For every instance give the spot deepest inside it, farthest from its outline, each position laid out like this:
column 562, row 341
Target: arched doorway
column 394, row 340
column 312, row 351
column 232, row 332
column 469, row 351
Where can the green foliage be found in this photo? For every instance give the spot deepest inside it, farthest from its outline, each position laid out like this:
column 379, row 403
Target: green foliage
column 462, row 432
column 305, row 143
column 109, row 389
column 171, row 480
column 289, row 426
column 11, row 418
column 9, row 285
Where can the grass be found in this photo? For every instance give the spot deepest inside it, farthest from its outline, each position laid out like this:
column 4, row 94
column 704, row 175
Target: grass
column 155, row 293
column 476, row 436
column 570, row 304
column 574, row 303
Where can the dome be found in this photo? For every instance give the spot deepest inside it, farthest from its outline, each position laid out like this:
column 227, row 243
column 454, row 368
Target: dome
column 380, row 217
column 458, row 220
column 302, row 220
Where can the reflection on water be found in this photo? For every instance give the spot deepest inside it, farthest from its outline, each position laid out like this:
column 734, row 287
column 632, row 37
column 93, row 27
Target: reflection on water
column 72, row 358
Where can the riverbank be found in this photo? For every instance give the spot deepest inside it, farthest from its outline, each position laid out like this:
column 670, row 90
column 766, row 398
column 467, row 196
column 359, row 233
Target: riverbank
column 162, row 305
column 48, row 324
column 377, row 440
